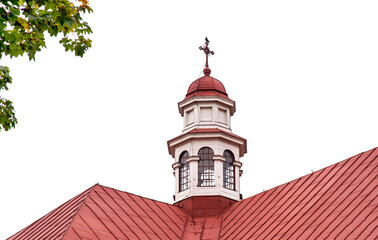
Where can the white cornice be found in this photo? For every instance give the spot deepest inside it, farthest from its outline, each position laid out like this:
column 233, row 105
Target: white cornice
column 227, row 102
column 240, row 142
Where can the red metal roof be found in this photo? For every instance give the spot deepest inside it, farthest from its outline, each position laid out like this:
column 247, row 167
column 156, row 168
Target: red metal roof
column 206, row 86
column 106, row 213
column 54, row 224
column 337, row 202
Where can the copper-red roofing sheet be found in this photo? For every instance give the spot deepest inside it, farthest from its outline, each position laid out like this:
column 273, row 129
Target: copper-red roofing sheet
column 106, row 213
column 54, row 224
column 337, row 202
column 206, row 86
column 206, row 83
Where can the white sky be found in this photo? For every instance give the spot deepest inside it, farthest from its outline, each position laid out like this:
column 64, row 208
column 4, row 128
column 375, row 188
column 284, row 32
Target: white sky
column 303, row 74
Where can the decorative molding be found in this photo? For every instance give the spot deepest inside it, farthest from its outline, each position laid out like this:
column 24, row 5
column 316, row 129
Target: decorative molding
column 219, row 158
column 238, row 163
column 196, row 99
column 193, row 158
column 176, row 165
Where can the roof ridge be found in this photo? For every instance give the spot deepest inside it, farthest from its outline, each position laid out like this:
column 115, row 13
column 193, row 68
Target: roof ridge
column 336, row 207
column 307, row 183
column 77, row 209
column 115, row 191
column 361, row 153
column 136, row 195
column 308, row 176
column 320, row 172
column 317, row 176
column 336, row 201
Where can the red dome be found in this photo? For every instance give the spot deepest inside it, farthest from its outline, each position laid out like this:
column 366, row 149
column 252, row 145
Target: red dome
column 206, row 86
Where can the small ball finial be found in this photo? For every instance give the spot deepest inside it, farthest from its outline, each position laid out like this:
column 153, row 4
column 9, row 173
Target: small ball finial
column 207, row 71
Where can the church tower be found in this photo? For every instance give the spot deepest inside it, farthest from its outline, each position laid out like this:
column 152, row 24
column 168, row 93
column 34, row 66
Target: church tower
column 207, row 166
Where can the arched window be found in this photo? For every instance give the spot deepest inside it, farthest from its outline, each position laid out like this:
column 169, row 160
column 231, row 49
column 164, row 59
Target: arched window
column 184, row 171
column 205, row 167
column 229, row 170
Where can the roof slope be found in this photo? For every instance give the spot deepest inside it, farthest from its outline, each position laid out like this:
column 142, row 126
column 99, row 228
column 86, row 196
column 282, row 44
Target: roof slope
column 54, row 224
column 337, row 202
column 206, row 86
column 106, row 213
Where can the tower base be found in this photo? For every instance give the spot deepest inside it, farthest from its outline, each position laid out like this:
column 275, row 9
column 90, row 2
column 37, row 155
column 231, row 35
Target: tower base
column 205, row 206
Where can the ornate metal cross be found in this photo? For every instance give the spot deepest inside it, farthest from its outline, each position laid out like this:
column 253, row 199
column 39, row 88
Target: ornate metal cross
column 207, row 51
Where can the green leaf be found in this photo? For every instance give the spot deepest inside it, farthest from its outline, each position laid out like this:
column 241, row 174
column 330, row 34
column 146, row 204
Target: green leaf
column 5, row 78
column 23, row 24
column 8, row 118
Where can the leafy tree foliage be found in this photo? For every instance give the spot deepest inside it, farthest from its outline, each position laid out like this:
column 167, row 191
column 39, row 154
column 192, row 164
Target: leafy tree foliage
column 23, row 25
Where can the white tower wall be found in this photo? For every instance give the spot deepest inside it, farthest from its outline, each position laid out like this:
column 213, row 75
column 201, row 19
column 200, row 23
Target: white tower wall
column 207, row 123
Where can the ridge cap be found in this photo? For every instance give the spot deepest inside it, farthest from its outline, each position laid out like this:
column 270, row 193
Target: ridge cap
column 89, row 191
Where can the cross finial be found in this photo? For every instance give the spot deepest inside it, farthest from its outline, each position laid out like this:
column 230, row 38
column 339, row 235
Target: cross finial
column 207, row 51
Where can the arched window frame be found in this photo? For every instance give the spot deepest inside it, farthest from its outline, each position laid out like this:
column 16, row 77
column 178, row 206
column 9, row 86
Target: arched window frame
column 229, row 170
column 206, row 175
column 184, row 171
